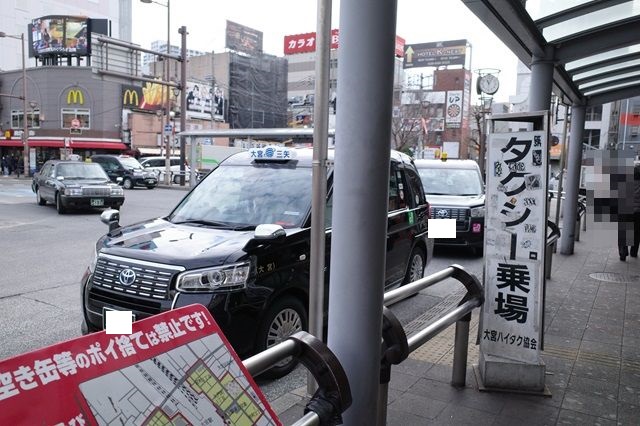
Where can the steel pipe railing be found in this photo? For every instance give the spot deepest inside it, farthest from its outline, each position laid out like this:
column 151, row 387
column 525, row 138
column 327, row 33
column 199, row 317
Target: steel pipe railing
column 396, row 347
column 552, row 239
column 333, row 396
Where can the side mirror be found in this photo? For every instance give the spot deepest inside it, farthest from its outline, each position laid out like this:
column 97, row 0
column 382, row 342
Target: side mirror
column 269, row 231
column 111, row 217
column 60, row 178
column 119, row 179
column 264, row 234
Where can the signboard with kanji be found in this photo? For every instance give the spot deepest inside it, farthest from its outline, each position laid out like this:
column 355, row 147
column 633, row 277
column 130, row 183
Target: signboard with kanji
column 440, row 53
column 175, row 368
column 515, row 240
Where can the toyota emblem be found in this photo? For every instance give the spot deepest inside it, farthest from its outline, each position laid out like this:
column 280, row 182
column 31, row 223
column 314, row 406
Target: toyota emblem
column 127, row 277
column 442, row 213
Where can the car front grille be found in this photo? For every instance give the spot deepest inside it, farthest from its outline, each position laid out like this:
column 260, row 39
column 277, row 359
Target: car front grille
column 461, row 215
column 143, row 279
column 96, row 191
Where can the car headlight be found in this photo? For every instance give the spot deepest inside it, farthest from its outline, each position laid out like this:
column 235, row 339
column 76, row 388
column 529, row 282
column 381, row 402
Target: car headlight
column 477, row 211
column 73, row 191
column 228, row 277
column 116, row 190
column 94, row 261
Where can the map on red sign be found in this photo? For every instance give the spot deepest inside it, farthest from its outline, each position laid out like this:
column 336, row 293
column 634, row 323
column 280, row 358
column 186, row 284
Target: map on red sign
column 176, row 368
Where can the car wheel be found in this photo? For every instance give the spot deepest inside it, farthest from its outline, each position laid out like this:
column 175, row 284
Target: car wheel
column 478, row 251
column 59, row 207
column 285, row 317
column 127, row 183
column 41, row 201
column 415, row 269
column 150, row 186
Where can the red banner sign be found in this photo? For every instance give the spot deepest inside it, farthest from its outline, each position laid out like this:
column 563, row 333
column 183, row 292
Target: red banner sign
column 175, row 367
column 306, row 43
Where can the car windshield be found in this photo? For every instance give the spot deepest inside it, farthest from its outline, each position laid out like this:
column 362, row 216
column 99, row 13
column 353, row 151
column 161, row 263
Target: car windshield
column 81, row 171
column 249, row 196
column 130, row 163
column 442, row 181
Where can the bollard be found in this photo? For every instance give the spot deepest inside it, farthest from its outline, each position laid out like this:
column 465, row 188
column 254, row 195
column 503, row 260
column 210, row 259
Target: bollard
column 460, row 350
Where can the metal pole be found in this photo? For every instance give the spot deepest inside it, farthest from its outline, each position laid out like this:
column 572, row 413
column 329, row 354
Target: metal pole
column 25, row 130
column 573, row 178
column 563, row 162
column 541, row 82
column 183, row 103
column 460, row 349
column 167, row 161
column 319, row 176
column 358, row 246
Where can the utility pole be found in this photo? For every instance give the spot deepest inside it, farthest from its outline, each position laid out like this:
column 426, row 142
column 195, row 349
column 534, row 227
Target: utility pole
column 183, row 102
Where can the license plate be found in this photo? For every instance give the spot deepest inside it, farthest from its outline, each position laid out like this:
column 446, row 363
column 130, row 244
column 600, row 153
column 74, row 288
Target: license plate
column 97, row 202
column 104, row 316
column 151, row 181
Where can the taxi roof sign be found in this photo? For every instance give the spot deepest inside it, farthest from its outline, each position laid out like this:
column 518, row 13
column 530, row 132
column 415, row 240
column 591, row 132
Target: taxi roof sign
column 272, row 153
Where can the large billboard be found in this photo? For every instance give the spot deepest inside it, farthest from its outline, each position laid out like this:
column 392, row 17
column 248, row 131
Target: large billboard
column 306, row 43
column 149, row 97
column 203, row 101
column 243, row 39
column 439, row 53
column 59, row 35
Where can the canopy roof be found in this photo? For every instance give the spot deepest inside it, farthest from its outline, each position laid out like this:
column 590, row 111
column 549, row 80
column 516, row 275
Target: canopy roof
column 594, row 44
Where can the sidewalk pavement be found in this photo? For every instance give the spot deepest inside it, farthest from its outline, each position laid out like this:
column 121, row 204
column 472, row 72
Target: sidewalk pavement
column 591, row 352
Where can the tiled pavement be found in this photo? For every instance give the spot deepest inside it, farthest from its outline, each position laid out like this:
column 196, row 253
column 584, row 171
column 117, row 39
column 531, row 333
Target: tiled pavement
column 591, row 352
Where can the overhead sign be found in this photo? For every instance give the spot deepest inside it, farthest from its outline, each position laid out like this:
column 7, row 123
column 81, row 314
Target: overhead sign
column 515, row 240
column 243, row 39
column 452, row 52
column 175, row 368
column 306, row 43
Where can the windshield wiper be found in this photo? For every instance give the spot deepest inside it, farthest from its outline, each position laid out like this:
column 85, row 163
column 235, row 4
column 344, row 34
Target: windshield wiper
column 437, row 193
column 466, row 195
column 204, row 222
column 244, row 227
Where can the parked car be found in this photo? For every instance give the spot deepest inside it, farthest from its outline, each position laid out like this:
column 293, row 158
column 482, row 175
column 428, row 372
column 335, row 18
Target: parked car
column 127, row 170
column 158, row 166
column 74, row 184
column 455, row 190
column 239, row 243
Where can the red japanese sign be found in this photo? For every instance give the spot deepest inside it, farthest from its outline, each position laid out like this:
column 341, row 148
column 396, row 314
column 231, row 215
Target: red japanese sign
column 175, row 366
column 305, row 43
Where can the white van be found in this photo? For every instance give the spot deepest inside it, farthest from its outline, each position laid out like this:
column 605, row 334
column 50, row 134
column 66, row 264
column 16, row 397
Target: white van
column 158, row 166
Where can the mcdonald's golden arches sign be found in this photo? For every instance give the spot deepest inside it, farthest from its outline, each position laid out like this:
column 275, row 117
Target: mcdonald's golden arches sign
column 75, row 96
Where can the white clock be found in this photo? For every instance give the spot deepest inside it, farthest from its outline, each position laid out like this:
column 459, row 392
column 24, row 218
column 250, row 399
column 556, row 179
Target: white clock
column 488, row 84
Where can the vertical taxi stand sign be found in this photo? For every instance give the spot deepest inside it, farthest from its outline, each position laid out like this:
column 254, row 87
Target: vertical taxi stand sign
column 511, row 329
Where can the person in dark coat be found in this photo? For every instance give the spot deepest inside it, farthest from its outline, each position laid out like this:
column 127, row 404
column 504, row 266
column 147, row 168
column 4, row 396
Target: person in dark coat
column 632, row 221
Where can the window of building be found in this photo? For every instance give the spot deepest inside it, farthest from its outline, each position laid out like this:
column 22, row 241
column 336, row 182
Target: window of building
column 68, row 114
column 594, row 113
column 591, row 137
column 33, row 119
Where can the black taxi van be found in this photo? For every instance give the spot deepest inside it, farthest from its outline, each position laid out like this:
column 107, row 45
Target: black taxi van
column 455, row 190
column 239, row 243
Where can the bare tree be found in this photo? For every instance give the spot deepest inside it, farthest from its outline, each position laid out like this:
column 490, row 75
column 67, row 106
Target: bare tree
column 406, row 128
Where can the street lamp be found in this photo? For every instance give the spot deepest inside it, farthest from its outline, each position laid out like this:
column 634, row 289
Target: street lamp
column 25, row 129
column 165, row 69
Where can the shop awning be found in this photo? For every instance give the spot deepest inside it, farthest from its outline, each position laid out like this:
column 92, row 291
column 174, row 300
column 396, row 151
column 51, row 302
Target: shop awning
column 98, row 145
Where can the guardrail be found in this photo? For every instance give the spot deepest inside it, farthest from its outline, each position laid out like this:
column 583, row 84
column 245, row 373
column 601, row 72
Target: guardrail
column 396, row 346
column 333, row 395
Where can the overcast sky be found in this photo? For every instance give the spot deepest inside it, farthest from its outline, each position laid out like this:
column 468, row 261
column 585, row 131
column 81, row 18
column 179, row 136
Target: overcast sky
column 419, row 21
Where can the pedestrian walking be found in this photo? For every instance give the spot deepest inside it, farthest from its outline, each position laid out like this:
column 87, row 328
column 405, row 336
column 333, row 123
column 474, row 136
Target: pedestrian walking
column 4, row 166
column 16, row 166
column 631, row 220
